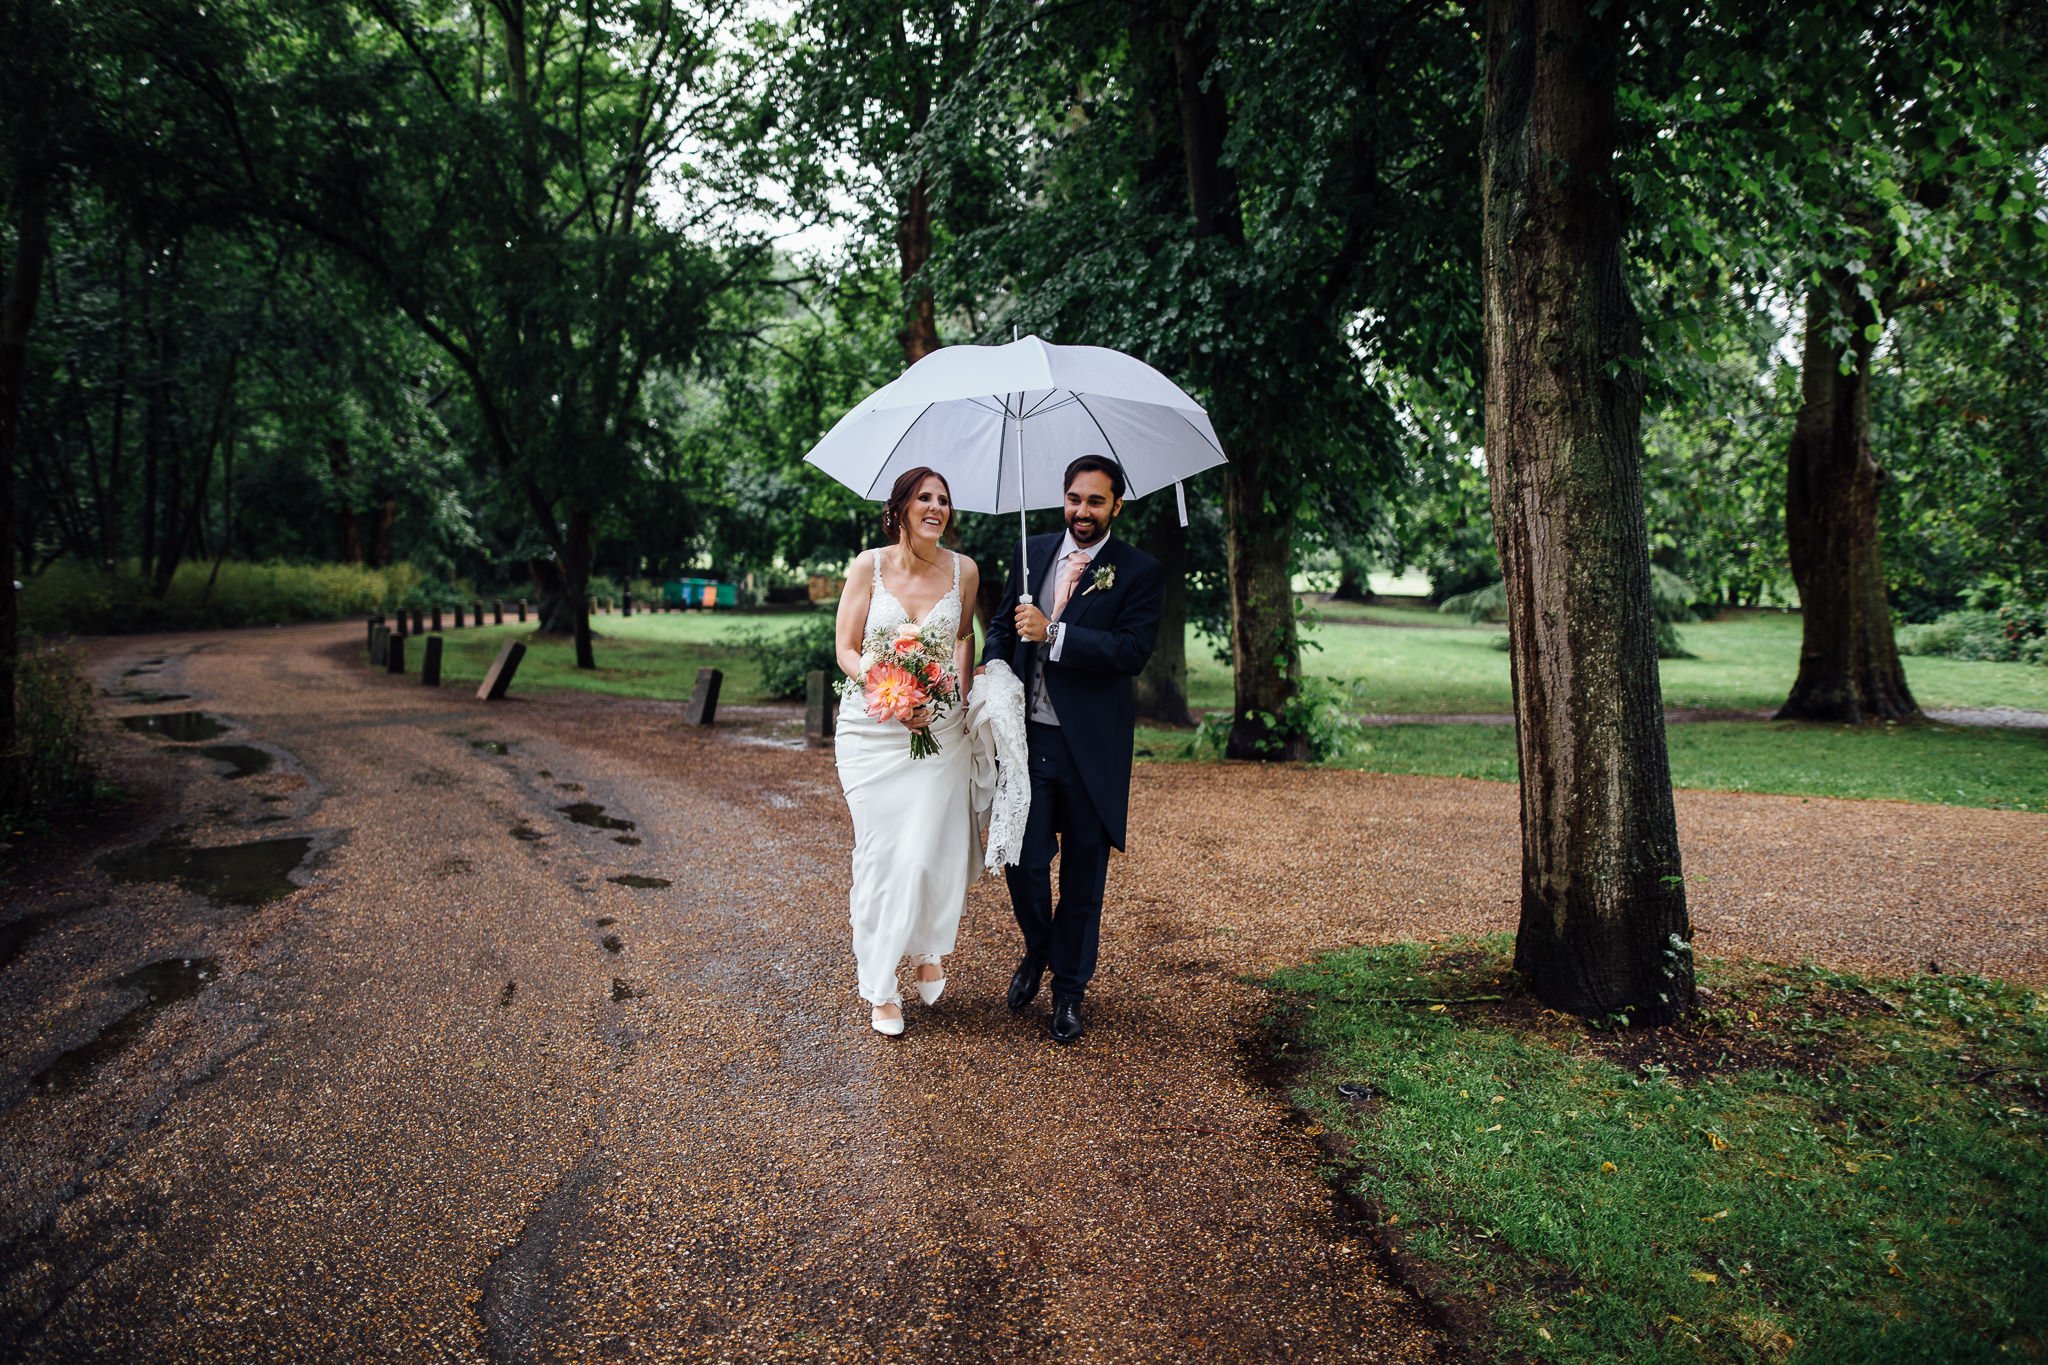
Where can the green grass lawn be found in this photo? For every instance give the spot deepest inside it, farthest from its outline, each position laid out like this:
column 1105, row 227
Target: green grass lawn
column 1426, row 663
column 1942, row 765
column 1438, row 664
column 1811, row 1167
column 638, row 656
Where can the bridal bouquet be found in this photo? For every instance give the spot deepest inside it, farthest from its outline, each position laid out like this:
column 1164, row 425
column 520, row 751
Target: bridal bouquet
column 903, row 671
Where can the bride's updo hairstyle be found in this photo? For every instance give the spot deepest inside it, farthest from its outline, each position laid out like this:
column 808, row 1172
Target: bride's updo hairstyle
column 898, row 505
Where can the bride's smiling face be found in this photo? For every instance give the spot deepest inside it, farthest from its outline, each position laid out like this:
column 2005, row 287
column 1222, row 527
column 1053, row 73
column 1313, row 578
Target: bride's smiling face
column 929, row 512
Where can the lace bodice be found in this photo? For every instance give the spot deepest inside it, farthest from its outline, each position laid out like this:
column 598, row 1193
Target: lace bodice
column 885, row 612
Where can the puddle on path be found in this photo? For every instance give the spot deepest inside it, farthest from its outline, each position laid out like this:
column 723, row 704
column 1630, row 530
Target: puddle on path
column 16, row 935
column 605, row 923
column 591, row 814
column 162, row 984
column 569, row 786
column 622, row 992
column 243, row 760
column 505, row 996
column 527, row 834
column 238, row 874
column 185, row 727
column 612, row 943
column 152, row 698
column 492, row 746
column 632, row 840
column 638, row 882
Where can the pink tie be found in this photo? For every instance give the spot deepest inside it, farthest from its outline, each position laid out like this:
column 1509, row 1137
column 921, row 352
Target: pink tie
column 1070, row 574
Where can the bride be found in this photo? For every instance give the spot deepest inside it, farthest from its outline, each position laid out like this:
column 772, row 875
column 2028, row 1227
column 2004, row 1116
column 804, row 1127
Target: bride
column 914, row 843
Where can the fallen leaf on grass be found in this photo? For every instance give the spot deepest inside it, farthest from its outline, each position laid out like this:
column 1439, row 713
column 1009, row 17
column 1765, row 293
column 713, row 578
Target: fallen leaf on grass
column 1704, row 1276
column 1608, row 1168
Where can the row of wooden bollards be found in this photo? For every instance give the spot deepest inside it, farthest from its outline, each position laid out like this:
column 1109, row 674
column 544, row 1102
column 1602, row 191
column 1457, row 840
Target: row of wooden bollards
column 387, row 651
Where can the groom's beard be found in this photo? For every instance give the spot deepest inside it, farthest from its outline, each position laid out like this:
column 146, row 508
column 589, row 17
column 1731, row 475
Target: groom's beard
column 1095, row 532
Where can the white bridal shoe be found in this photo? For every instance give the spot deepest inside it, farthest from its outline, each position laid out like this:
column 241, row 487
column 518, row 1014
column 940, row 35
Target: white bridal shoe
column 891, row 1027
column 930, row 991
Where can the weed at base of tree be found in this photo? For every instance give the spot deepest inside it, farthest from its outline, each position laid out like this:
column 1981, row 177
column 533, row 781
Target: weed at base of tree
column 50, row 769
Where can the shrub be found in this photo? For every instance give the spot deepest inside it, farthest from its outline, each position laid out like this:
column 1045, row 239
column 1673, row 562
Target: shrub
column 50, row 767
column 74, row 599
column 788, row 656
column 1671, row 599
column 2010, row 634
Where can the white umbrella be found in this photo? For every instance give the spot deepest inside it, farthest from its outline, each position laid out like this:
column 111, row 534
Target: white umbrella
column 962, row 410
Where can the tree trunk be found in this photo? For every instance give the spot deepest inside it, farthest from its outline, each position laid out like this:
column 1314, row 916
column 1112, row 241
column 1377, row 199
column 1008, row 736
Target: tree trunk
column 551, row 605
column 920, row 331
column 1163, row 686
column 1849, row 667
column 1265, row 653
column 380, row 546
column 348, row 529
column 17, row 314
column 576, row 581
column 1603, row 928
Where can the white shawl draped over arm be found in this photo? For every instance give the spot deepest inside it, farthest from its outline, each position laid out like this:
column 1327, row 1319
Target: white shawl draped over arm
column 1000, row 781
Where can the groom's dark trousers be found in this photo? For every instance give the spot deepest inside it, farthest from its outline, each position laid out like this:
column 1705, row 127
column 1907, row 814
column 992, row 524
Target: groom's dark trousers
column 1063, row 936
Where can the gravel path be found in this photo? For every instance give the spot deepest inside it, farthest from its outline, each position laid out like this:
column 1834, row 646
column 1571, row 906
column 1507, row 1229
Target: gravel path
column 463, row 1097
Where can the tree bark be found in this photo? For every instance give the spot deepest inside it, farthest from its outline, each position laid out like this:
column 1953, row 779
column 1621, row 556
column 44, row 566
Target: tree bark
column 18, row 294
column 348, row 528
column 1849, row 668
column 920, row 331
column 1603, row 928
column 576, row 580
column 1163, row 686
column 1265, row 652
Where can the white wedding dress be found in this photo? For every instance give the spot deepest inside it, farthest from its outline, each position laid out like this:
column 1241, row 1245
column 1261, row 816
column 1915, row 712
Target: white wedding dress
column 914, row 843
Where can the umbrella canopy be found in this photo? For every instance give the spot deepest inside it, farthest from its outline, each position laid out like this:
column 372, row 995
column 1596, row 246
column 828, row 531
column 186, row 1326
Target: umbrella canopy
column 1003, row 422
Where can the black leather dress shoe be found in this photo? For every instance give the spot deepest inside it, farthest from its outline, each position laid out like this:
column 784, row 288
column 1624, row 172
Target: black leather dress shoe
column 1066, row 1021
column 1024, row 983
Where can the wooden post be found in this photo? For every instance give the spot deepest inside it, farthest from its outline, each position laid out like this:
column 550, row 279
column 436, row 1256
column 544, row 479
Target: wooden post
column 498, row 611
column 498, row 680
column 419, row 624
column 380, row 644
column 437, row 620
column 522, row 611
column 375, row 623
column 430, row 664
column 627, row 603
column 821, row 709
column 394, row 658
column 458, row 616
column 703, row 708
column 476, row 614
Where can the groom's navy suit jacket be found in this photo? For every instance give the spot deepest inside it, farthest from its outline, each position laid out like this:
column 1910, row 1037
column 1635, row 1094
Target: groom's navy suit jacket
column 1109, row 636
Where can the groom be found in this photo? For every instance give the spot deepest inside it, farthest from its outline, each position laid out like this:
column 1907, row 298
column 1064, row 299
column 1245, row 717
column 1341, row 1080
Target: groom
column 1076, row 648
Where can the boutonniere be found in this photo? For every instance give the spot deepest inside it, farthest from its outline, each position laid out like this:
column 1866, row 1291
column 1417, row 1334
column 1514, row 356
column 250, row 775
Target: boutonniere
column 1104, row 578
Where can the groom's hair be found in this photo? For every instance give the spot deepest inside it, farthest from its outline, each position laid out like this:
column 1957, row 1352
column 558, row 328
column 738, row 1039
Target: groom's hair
column 1100, row 465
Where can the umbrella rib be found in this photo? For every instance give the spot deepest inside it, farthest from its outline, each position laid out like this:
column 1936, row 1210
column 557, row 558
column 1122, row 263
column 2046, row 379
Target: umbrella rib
column 883, row 467
column 1109, row 444
column 1047, row 402
column 1199, row 432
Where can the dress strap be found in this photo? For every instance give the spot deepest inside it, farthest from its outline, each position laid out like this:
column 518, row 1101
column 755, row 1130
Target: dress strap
column 956, row 569
column 878, row 571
